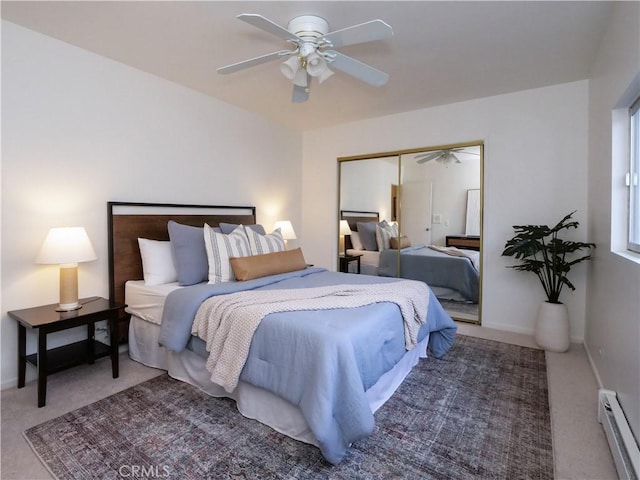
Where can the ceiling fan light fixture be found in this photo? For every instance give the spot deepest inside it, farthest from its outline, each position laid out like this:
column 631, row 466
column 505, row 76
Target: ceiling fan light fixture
column 316, row 65
column 290, row 67
column 324, row 75
column 300, row 79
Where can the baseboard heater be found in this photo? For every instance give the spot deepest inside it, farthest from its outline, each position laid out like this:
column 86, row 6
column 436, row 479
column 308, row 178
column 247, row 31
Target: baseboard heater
column 624, row 447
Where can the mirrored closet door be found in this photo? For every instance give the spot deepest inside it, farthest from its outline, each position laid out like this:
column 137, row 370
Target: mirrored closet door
column 431, row 199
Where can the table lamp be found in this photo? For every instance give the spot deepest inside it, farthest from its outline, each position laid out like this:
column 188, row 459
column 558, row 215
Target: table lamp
column 67, row 246
column 344, row 230
column 286, row 229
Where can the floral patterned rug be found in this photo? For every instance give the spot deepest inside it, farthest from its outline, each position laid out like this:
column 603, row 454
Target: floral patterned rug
column 480, row 412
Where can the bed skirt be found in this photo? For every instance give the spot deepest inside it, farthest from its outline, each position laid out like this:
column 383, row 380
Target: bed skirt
column 253, row 402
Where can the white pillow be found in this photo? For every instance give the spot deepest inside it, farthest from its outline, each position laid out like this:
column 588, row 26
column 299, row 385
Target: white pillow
column 220, row 248
column 158, row 267
column 356, row 243
column 261, row 244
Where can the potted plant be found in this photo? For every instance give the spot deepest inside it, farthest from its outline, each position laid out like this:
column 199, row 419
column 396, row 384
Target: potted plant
column 541, row 251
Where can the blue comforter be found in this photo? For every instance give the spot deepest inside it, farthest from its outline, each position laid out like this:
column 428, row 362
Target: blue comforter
column 435, row 268
column 321, row 361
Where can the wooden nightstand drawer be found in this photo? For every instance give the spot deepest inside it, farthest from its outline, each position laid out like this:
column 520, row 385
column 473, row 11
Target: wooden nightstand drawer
column 470, row 243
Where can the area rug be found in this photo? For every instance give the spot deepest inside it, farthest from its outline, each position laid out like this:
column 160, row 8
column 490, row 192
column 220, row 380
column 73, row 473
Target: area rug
column 480, row 412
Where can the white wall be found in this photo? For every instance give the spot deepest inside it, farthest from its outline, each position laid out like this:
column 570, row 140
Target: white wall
column 449, row 186
column 613, row 293
column 366, row 185
column 79, row 130
column 535, row 171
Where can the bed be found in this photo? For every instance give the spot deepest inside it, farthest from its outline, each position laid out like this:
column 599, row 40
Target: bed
column 450, row 272
column 316, row 375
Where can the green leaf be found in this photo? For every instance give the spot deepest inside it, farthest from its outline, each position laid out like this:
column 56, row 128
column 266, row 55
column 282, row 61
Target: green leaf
column 541, row 250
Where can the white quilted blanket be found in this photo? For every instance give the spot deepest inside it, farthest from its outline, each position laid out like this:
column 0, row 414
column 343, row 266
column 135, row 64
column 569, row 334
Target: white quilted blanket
column 227, row 322
column 457, row 252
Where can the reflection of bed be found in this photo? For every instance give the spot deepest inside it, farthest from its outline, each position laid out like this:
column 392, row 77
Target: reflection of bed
column 449, row 276
column 289, row 387
column 437, row 269
column 370, row 258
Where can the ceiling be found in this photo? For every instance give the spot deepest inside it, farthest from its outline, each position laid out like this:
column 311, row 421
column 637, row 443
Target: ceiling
column 441, row 52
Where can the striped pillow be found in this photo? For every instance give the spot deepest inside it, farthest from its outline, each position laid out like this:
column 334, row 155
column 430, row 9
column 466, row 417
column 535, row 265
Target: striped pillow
column 220, row 248
column 261, row 244
column 384, row 232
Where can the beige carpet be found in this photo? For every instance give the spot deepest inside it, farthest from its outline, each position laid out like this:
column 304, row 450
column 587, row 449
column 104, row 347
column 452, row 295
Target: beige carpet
column 580, row 448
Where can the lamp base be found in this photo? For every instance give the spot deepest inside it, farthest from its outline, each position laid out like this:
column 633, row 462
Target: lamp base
column 68, row 288
column 65, row 308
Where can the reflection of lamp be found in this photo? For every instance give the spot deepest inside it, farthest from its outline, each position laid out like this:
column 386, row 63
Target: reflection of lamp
column 286, row 229
column 344, row 230
column 67, row 246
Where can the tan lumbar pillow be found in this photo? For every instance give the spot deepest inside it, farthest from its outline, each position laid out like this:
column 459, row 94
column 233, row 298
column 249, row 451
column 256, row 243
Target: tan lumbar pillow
column 401, row 242
column 256, row 266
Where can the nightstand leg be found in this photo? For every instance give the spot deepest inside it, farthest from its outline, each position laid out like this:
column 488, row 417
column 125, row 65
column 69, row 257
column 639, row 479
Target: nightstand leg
column 22, row 354
column 113, row 331
column 42, row 368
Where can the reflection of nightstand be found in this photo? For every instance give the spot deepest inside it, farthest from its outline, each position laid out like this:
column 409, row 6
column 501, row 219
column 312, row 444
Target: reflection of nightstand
column 462, row 241
column 47, row 320
column 345, row 260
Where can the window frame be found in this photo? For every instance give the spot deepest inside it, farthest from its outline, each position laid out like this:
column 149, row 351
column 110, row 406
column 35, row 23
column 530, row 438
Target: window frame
column 632, row 179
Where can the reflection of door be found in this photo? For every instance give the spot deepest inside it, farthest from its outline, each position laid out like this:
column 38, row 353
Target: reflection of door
column 416, row 211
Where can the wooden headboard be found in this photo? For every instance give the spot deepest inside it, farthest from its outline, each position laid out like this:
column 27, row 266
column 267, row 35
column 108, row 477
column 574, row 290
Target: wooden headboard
column 128, row 221
column 355, row 216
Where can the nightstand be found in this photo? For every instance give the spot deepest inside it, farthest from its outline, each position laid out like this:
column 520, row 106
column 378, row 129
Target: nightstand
column 345, row 260
column 47, row 320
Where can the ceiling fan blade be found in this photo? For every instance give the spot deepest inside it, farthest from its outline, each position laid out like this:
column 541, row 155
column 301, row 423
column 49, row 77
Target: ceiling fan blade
column 252, row 62
column 300, row 94
column 357, row 69
column 463, row 150
column 427, row 157
column 364, row 32
column 268, row 26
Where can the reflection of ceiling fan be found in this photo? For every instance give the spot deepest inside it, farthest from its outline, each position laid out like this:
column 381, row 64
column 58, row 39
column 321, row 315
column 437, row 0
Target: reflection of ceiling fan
column 313, row 51
column 446, row 156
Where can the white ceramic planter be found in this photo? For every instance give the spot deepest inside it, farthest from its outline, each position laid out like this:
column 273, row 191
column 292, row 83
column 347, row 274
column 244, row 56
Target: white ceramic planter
column 552, row 327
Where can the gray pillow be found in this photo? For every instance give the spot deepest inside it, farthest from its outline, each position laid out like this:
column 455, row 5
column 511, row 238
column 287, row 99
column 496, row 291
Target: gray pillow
column 227, row 228
column 189, row 253
column 367, row 233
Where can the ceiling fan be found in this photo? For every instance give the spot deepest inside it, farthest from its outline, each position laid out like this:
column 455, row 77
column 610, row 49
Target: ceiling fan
column 313, row 53
column 446, row 156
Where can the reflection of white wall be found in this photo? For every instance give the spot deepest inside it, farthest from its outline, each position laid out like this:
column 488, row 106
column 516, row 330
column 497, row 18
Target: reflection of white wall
column 450, row 185
column 366, row 185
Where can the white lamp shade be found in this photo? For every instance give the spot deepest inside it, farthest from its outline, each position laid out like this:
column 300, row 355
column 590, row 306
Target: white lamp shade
column 290, row 67
column 324, row 75
column 344, row 228
column 286, row 229
column 66, row 245
column 316, row 65
column 301, row 79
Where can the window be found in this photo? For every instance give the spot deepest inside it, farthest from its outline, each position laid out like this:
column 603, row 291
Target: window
column 633, row 181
